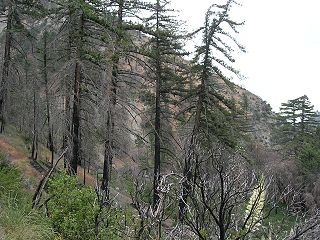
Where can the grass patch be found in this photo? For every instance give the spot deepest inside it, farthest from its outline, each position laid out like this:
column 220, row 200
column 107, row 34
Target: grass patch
column 281, row 220
column 10, row 180
column 17, row 220
column 10, row 177
column 16, row 140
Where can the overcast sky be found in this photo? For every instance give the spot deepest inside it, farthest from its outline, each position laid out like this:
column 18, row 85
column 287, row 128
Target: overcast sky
column 282, row 39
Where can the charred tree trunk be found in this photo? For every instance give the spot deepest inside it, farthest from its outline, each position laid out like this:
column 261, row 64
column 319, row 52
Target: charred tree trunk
column 108, row 157
column 157, row 122
column 67, row 133
column 68, row 92
column 191, row 159
column 6, row 66
column 45, row 76
column 76, row 41
column 157, row 145
column 34, row 149
column 76, row 120
column 111, row 92
column 84, row 172
column 112, row 101
column 67, row 126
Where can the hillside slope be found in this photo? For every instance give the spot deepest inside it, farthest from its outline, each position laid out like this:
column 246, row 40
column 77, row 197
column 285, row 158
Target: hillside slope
column 14, row 147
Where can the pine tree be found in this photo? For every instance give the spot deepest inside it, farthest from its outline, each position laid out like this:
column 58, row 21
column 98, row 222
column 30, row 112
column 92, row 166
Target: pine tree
column 295, row 124
column 44, row 62
column 164, row 45
column 213, row 120
column 15, row 12
column 84, row 33
column 122, row 8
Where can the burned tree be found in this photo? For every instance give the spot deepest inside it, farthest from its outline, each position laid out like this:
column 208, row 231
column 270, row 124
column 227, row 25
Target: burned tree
column 210, row 110
column 228, row 199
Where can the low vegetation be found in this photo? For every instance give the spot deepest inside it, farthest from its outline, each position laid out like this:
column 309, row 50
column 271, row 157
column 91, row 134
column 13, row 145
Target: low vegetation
column 17, row 220
column 152, row 146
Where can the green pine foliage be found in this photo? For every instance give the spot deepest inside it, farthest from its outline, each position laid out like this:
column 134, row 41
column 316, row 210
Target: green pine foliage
column 295, row 124
column 296, row 131
column 213, row 61
column 309, row 156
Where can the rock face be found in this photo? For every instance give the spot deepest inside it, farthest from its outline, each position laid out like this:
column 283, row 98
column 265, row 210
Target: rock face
column 257, row 115
column 261, row 117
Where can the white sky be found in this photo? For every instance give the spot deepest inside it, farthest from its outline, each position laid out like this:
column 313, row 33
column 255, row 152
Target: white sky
column 282, row 39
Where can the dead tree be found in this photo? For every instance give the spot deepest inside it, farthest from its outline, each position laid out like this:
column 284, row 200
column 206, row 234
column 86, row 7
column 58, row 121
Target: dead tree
column 152, row 219
column 218, row 26
column 6, row 64
column 38, row 193
column 47, row 98
column 223, row 186
column 308, row 229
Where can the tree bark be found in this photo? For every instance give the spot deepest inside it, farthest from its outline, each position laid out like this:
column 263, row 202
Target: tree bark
column 38, row 193
column 191, row 159
column 34, row 150
column 112, row 101
column 45, row 76
column 76, row 120
column 6, row 66
column 157, row 121
column 76, row 115
column 67, row 133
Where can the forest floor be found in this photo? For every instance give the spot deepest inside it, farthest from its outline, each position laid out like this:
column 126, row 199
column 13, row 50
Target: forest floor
column 17, row 150
column 17, row 155
column 20, row 160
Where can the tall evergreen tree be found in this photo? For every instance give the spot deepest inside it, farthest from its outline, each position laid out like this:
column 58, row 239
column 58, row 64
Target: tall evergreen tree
column 164, row 45
column 14, row 11
column 84, row 32
column 44, row 61
column 212, row 118
column 295, row 124
column 120, row 9
column 115, row 20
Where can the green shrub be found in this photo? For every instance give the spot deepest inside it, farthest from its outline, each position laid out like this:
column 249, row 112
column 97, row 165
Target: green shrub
column 72, row 208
